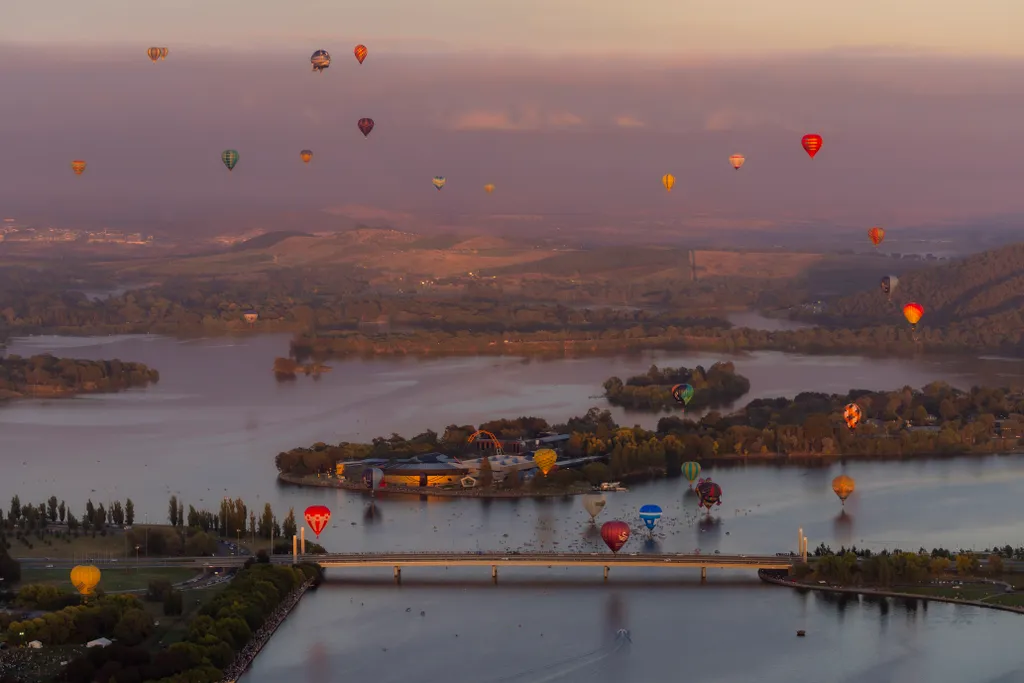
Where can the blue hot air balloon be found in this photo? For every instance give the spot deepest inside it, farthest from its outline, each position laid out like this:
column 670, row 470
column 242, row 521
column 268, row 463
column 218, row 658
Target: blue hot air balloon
column 650, row 514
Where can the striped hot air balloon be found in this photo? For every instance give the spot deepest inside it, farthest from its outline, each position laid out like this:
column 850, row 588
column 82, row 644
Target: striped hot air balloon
column 737, row 161
column 163, row 52
column 650, row 514
column 154, row 54
column 691, row 470
column 812, row 143
column 669, row 181
column 230, row 158
column 439, row 181
column 317, row 517
column 913, row 312
column 78, row 166
column 360, row 52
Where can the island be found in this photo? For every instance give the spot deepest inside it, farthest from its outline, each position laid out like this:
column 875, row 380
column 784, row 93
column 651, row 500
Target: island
column 715, row 387
column 46, row 376
column 593, row 450
column 288, row 369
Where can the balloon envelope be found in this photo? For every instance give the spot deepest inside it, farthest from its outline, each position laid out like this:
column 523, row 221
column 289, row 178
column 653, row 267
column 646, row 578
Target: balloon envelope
column 709, row 493
column 669, row 181
column 650, row 514
column 317, row 517
column 366, row 126
column 230, row 158
column 876, row 235
column 154, row 54
column 488, row 188
column 84, row 578
column 691, row 470
column 360, row 52
column 545, row 459
column 320, row 60
column 682, row 393
column 811, row 143
column 78, row 166
column 251, row 317
column 594, row 503
column 615, row 534
column 306, row 155
column 913, row 312
column 439, row 181
column 843, row 486
column 889, row 283
column 373, row 478
column 853, row 415
column 737, row 160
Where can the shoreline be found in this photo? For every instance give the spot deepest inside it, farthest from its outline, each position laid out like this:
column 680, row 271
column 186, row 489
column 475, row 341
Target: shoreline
column 875, row 592
column 333, row 483
column 260, row 639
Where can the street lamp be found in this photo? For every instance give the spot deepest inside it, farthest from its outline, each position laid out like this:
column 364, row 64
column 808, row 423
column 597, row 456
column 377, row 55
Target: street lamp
column 238, row 541
column 137, row 558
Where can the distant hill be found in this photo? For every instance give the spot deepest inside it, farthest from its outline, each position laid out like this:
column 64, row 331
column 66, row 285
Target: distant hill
column 981, row 287
column 267, row 239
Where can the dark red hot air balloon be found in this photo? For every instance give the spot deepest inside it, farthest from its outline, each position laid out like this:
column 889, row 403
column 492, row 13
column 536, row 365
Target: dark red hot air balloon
column 317, row 517
column 615, row 535
column 811, row 143
column 366, row 125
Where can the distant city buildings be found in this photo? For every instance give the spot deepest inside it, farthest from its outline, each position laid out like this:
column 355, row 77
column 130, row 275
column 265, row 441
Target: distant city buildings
column 12, row 231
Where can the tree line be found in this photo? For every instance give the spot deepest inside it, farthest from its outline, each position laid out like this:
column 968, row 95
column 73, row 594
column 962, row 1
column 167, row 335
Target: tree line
column 887, row 569
column 718, row 386
column 934, row 420
column 46, row 374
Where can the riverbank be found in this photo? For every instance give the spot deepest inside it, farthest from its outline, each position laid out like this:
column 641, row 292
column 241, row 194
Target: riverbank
column 334, row 483
column 260, row 639
column 767, row 577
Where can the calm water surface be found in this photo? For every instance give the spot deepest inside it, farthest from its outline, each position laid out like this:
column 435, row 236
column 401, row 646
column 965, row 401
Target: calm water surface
column 213, row 424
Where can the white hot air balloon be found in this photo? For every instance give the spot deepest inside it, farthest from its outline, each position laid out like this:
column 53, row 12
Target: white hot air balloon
column 594, row 503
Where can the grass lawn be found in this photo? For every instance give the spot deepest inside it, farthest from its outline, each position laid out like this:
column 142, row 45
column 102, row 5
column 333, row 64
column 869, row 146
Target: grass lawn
column 112, row 580
column 111, row 545
column 967, row 592
column 1008, row 599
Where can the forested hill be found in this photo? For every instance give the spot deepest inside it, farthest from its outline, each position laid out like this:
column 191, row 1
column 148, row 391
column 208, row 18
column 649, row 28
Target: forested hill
column 986, row 287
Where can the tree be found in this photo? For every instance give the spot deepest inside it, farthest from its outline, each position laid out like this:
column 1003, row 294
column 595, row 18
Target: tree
column 173, row 603
column 129, row 512
column 288, row 527
column 172, row 510
column 181, row 514
column 90, row 513
column 117, row 513
column 15, row 513
column 486, row 478
column 72, row 522
column 51, row 509
column 995, row 564
column 134, row 626
column 61, row 511
column 266, row 527
column 966, row 564
column 513, row 480
column 10, row 569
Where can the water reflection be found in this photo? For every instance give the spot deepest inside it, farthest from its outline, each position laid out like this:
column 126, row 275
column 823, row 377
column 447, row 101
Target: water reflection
column 371, row 515
column 842, row 528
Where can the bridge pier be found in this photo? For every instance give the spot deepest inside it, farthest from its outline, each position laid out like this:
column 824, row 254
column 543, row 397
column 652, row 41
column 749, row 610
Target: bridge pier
column 494, row 573
column 606, row 569
column 398, row 574
column 703, row 574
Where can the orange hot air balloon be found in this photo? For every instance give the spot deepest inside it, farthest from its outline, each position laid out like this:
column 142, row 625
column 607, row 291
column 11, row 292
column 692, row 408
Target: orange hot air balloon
column 545, row 459
column 78, row 166
column 489, row 188
column 360, row 53
column 306, row 155
column 737, row 160
column 84, row 578
column 843, row 486
column 876, row 235
column 317, row 517
column 669, row 181
column 853, row 415
column 913, row 312
column 154, row 54
column 812, row 143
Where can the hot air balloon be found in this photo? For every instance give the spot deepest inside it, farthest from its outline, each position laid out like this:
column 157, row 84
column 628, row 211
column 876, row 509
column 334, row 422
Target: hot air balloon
column 439, row 182
column 650, row 514
column 230, row 158
column 154, row 54
column 913, row 312
column 251, row 317
column 843, row 487
column 320, row 60
column 853, row 415
column 78, row 166
column 669, row 181
column 682, row 393
column 488, row 188
column 84, row 578
column 889, row 283
column 615, row 534
column 811, row 143
column 373, row 478
column 306, row 155
column 709, row 493
column 366, row 125
column 317, row 517
column 876, row 235
column 163, row 52
column 360, row 53
column 594, row 503
column 691, row 470
column 545, row 459
column 737, row 160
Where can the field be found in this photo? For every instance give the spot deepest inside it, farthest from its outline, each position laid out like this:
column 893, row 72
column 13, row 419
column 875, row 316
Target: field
column 114, row 545
column 120, row 579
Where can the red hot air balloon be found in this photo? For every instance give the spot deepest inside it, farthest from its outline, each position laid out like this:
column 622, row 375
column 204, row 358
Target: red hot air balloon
column 615, row 535
column 360, row 52
column 811, row 143
column 366, row 125
column 317, row 517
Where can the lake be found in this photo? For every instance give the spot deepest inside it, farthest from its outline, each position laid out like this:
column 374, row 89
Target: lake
column 213, row 424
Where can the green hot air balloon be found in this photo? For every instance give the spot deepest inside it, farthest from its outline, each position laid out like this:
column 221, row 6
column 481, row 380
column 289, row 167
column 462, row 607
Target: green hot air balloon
column 691, row 470
column 230, row 158
column 682, row 393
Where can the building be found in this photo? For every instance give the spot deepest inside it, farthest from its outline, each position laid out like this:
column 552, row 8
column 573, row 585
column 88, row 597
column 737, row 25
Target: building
column 425, row 469
column 99, row 642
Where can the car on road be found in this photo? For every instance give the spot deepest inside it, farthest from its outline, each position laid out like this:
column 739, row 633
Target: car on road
column 49, row 566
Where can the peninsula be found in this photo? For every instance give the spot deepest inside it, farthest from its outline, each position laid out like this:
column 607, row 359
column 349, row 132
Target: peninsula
column 715, row 387
column 46, row 376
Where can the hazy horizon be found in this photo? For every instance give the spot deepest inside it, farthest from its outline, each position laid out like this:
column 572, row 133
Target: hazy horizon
column 910, row 138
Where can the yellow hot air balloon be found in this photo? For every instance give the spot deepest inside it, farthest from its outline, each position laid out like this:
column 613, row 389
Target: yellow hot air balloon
column 669, row 181
column 843, row 487
column 489, row 188
column 737, row 160
column 545, row 459
column 84, row 578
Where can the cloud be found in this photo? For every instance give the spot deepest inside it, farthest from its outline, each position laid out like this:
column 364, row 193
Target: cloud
column 627, row 121
column 528, row 119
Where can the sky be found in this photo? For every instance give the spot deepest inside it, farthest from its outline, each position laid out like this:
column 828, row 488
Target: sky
column 916, row 131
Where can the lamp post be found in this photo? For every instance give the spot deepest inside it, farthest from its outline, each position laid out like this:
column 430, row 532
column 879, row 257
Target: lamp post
column 238, row 541
column 137, row 559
